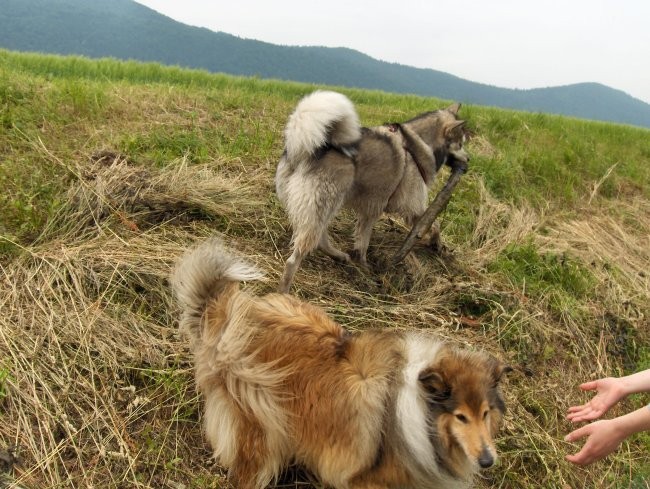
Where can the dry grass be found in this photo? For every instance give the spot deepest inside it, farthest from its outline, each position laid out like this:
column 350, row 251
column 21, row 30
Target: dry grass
column 101, row 393
column 96, row 386
column 498, row 224
column 615, row 242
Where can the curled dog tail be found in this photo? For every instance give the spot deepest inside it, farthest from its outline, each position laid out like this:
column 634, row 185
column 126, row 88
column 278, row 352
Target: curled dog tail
column 239, row 389
column 320, row 118
column 202, row 275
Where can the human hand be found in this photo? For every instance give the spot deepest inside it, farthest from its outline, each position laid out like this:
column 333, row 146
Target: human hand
column 609, row 392
column 603, row 438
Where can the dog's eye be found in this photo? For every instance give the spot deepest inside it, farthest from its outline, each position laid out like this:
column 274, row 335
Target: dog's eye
column 462, row 418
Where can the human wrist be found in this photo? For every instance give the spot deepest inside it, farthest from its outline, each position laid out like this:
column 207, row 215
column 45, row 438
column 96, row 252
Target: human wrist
column 621, row 427
column 631, row 423
column 634, row 383
column 625, row 386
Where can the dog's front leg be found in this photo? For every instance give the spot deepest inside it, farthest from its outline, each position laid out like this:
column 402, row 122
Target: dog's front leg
column 432, row 238
column 421, row 153
column 362, row 233
column 429, row 237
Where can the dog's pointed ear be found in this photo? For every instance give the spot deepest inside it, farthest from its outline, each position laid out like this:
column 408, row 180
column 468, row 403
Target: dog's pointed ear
column 497, row 368
column 435, row 385
column 454, row 108
column 454, row 126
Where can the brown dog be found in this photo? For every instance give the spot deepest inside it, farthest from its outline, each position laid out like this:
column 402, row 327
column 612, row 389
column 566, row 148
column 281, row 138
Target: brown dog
column 283, row 384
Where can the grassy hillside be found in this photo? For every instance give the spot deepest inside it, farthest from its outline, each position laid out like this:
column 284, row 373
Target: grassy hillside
column 125, row 29
column 110, row 170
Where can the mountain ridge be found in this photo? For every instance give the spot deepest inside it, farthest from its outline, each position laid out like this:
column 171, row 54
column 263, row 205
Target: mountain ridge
column 125, row 29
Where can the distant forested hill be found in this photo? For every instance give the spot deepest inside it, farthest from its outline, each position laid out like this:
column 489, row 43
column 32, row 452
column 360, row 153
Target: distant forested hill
column 127, row 30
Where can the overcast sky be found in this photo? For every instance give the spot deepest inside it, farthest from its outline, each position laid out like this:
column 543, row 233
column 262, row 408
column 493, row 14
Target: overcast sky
column 508, row 43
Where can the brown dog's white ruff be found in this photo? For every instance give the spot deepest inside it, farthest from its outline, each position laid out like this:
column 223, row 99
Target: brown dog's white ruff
column 283, row 383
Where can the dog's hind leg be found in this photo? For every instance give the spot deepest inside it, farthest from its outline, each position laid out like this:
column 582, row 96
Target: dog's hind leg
column 331, row 250
column 260, row 456
column 290, row 269
column 305, row 239
column 310, row 214
column 304, row 243
column 433, row 239
column 367, row 485
column 252, row 469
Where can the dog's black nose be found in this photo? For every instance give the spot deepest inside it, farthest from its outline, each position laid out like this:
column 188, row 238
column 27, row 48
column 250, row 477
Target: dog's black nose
column 486, row 459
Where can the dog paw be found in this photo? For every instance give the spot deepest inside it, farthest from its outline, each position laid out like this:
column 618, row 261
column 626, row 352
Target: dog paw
column 342, row 258
column 359, row 259
column 437, row 247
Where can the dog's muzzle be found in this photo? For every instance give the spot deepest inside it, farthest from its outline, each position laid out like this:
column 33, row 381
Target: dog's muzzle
column 486, row 459
column 458, row 160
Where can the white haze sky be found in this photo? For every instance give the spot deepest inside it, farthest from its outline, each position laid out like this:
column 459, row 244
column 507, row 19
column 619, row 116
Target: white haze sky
column 507, row 43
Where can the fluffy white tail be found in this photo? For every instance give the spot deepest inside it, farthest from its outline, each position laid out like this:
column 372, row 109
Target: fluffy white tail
column 320, row 118
column 201, row 275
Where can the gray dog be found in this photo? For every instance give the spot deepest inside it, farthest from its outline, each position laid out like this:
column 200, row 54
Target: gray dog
column 330, row 161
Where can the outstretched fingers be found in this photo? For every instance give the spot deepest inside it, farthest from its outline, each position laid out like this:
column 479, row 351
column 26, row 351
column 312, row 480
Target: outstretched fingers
column 603, row 437
column 584, row 456
column 591, row 410
column 579, row 433
column 589, row 386
column 586, row 412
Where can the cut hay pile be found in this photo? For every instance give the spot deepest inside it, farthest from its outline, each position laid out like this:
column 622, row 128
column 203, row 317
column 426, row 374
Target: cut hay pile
column 98, row 388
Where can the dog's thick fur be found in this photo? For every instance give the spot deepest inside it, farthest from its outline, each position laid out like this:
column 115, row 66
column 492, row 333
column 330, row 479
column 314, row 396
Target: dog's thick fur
column 330, row 161
column 283, row 384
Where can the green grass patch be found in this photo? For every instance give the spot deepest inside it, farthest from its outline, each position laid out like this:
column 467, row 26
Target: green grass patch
column 4, row 390
column 163, row 145
column 546, row 158
column 559, row 280
column 32, row 192
column 459, row 219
